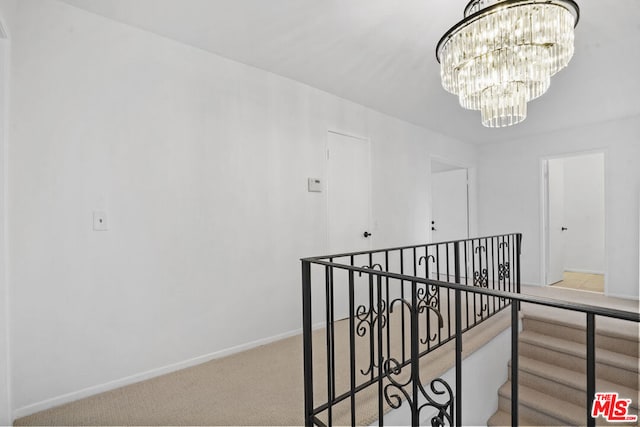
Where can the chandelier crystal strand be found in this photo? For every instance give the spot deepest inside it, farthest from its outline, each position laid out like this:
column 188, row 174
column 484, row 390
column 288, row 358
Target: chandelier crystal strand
column 503, row 54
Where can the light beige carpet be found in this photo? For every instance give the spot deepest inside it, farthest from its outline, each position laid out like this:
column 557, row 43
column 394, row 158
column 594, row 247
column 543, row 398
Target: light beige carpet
column 262, row 386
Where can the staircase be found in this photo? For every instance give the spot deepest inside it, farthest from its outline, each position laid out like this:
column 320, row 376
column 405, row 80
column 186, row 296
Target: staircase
column 552, row 366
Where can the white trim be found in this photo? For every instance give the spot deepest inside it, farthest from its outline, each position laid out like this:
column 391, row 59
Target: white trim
column 627, row 297
column 542, row 179
column 558, row 286
column 446, row 160
column 5, row 75
column 579, row 270
column 131, row 379
column 538, row 285
column 350, row 135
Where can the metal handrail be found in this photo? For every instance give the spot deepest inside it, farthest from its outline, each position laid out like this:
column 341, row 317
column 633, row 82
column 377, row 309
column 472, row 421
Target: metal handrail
column 549, row 302
column 399, row 248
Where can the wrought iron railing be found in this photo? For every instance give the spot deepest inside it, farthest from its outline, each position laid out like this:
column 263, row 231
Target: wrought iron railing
column 381, row 311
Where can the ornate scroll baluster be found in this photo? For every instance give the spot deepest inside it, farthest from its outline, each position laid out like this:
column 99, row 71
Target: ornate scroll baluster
column 481, row 276
column 400, row 382
column 428, row 300
column 395, row 387
column 368, row 318
column 445, row 409
column 503, row 269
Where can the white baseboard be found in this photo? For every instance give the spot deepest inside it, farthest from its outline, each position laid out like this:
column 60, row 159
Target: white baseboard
column 578, row 270
column 629, row 297
column 100, row 388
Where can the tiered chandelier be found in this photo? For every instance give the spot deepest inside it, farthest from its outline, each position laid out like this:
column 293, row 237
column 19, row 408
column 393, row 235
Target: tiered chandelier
column 503, row 54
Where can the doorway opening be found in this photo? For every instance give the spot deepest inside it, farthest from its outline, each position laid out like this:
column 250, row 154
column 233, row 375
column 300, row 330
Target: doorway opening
column 449, row 205
column 449, row 202
column 574, row 222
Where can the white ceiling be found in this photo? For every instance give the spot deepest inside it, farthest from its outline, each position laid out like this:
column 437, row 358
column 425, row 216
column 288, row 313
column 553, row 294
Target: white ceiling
column 380, row 53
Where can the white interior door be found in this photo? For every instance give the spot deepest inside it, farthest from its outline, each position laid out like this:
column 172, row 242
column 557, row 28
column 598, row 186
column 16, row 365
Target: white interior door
column 450, row 213
column 555, row 223
column 348, row 193
column 348, row 189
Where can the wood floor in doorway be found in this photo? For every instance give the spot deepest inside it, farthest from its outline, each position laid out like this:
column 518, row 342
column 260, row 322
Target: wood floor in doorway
column 582, row 281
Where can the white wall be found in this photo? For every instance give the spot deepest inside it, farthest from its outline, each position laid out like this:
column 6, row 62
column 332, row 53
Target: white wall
column 509, row 183
column 4, row 318
column 201, row 164
column 4, row 291
column 584, row 213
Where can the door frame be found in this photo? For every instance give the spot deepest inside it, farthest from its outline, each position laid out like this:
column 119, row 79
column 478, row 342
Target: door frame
column 5, row 75
column 544, row 212
column 456, row 165
column 366, row 140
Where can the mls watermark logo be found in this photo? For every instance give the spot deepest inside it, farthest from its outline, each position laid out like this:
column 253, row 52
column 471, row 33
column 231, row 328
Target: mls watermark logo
column 612, row 408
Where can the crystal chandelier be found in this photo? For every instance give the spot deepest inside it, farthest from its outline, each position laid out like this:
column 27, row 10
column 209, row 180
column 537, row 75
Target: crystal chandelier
column 503, row 54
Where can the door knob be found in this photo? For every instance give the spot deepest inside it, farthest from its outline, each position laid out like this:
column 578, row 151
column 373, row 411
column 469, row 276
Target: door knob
column 564, row 228
column 366, row 234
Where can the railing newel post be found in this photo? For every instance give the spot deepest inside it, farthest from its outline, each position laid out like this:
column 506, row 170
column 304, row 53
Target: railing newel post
column 591, row 367
column 515, row 324
column 329, row 336
column 380, row 355
column 352, row 346
column 518, row 256
column 415, row 357
column 307, row 343
column 458, row 314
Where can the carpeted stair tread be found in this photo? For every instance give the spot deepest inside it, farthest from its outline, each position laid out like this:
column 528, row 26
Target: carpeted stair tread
column 566, row 412
column 624, row 343
column 603, row 356
column 502, row 418
column 552, row 364
column 566, row 376
column 604, row 326
column 570, row 378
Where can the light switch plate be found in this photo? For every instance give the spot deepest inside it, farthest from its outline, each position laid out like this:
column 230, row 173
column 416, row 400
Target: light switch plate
column 100, row 221
column 315, row 185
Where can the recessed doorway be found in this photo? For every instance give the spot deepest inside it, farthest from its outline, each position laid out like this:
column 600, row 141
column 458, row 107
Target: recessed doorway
column 574, row 225
column 449, row 202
